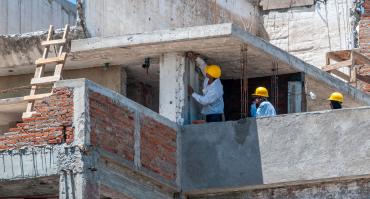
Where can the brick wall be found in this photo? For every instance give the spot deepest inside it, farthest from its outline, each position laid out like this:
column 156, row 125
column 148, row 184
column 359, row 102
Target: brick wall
column 112, row 126
column 364, row 35
column 158, row 147
column 364, row 40
column 51, row 124
column 113, row 129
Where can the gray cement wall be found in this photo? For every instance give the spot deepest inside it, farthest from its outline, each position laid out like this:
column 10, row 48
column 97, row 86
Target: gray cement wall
column 292, row 29
column 113, row 78
column 145, row 16
column 334, row 188
column 294, row 147
column 220, row 155
column 22, row 16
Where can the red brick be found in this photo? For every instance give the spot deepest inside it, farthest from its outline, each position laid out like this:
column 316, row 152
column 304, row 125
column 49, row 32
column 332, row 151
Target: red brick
column 112, row 126
column 46, row 125
column 158, row 147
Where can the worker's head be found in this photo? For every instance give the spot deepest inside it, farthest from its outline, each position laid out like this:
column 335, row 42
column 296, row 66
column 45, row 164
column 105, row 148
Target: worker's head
column 213, row 71
column 260, row 94
column 336, row 100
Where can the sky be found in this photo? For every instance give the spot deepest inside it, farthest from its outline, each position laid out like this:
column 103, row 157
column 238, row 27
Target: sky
column 72, row 1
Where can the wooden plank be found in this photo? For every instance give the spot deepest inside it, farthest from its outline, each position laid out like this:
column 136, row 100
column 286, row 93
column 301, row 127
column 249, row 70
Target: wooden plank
column 44, row 80
column 337, row 65
column 44, row 61
column 340, row 74
column 327, row 58
column 59, row 67
column 40, row 69
column 36, row 97
column 28, row 114
column 360, row 58
column 339, row 56
column 54, row 42
column 364, row 78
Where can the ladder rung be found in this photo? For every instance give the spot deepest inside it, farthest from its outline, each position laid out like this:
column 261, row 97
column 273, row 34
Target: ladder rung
column 43, row 61
column 53, row 42
column 36, row 97
column 28, row 114
column 44, row 80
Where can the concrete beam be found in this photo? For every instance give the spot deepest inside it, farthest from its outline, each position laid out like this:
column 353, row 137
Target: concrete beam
column 300, row 65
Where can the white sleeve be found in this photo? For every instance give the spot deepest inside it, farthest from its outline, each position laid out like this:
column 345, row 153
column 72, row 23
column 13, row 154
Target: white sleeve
column 211, row 96
column 201, row 64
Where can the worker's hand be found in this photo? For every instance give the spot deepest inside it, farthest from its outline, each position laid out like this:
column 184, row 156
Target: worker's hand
column 190, row 90
column 191, row 55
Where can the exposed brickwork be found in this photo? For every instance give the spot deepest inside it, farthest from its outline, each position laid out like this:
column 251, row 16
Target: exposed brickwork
column 113, row 129
column 51, row 124
column 158, row 147
column 112, row 126
column 364, row 41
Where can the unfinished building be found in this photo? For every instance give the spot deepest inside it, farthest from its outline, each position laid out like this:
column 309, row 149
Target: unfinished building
column 119, row 124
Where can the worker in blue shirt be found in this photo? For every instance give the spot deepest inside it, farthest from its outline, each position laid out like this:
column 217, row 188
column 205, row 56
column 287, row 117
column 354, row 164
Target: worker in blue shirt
column 212, row 98
column 264, row 107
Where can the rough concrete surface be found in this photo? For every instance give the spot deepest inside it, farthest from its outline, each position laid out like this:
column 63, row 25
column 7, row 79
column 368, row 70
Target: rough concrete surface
column 18, row 52
column 308, row 32
column 294, row 147
column 22, row 16
column 101, row 15
column 353, row 188
column 220, row 155
column 314, row 145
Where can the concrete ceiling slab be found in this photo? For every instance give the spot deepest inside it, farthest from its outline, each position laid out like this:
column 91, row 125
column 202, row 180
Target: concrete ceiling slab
column 220, row 43
column 213, row 42
column 45, row 187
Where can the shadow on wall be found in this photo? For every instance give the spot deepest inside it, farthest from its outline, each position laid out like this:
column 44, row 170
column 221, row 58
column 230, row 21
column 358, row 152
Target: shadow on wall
column 216, row 155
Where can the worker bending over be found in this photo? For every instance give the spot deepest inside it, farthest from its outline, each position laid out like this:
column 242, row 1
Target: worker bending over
column 264, row 107
column 336, row 100
column 211, row 100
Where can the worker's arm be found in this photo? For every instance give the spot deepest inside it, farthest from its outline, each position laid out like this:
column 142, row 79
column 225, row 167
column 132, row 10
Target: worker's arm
column 211, row 96
column 201, row 64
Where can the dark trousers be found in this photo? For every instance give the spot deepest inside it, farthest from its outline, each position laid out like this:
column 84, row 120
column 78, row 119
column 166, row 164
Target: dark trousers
column 214, row 118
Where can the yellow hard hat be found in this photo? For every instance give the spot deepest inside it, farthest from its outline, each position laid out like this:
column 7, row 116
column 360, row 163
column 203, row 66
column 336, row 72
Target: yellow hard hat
column 336, row 96
column 261, row 92
column 213, row 70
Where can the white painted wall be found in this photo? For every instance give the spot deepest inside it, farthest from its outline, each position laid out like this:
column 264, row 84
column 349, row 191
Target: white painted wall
column 310, row 32
column 119, row 17
column 21, row 16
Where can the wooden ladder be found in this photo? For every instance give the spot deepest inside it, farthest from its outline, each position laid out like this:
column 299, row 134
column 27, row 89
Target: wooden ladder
column 351, row 59
column 39, row 79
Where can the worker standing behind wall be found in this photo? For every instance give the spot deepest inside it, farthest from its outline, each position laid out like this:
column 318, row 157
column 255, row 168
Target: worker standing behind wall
column 264, row 107
column 336, row 100
column 212, row 99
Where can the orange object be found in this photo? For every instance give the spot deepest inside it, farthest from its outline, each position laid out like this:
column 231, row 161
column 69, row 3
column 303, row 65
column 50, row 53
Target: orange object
column 198, row 122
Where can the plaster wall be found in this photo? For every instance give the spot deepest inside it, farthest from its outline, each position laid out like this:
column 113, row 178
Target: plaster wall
column 322, row 92
column 293, row 147
column 113, row 78
column 101, row 15
column 309, row 32
column 21, row 16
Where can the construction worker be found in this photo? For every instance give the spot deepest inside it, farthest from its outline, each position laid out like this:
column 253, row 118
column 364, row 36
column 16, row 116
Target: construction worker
column 336, row 100
column 212, row 101
column 264, row 107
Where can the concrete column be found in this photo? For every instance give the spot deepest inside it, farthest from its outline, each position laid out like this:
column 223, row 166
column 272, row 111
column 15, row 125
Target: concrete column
column 172, row 87
column 176, row 73
column 78, row 185
column 123, row 81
